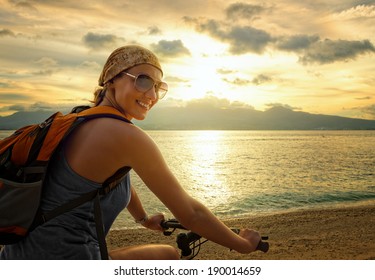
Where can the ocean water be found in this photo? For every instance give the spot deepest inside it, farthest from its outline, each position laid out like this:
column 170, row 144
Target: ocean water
column 236, row 173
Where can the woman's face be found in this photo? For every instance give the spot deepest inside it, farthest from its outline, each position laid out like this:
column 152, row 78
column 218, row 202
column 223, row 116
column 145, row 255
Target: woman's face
column 132, row 102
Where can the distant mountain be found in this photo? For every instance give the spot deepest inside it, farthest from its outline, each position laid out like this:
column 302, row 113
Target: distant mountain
column 212, row 118
column 23, row 118
column 276, row 118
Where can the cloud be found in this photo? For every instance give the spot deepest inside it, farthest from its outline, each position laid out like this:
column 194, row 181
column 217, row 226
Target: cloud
column 42, row 106
column 364, row 98
column 314, row 50
column 173, row 79
column 245, row 38
column 17, row 108
column 296, row 42
column 154, row 30
column 211, row 101
column 273, row 105
column 237, row 81
column 46, row 62
column 67, row 4
column 4, row 85
column 241, row 39
column 96, row 41
column 48, row 65
column 13, row 96
column 210, row 26
column 170, row 48
column 369, row 110
column 243, row 10
column 46, row 72
column 261, row 79
column 7, row 32
column 240, row 105
column 329, row 51
column 38, row 106
column 359, row 11
column 257, row 80
column 24, row 5
column 90, row 64
column 225, row 71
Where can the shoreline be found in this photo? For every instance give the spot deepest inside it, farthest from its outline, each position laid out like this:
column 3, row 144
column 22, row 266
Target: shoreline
column 329, row 233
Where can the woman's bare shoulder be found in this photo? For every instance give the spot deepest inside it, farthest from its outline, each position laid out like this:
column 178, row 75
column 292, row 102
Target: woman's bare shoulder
column 104, row 145
column 122, row 135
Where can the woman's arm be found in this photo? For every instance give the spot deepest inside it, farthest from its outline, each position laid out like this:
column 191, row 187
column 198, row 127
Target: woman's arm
column 149, row 164
column 135, row 207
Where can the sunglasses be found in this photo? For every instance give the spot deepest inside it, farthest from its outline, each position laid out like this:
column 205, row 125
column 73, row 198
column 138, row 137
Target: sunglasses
column 143, row 83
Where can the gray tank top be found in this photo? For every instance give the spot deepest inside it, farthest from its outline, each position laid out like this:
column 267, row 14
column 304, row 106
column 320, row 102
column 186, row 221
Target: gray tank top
column 71, row 235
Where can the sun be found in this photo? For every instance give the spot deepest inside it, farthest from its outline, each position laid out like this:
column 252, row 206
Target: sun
column 201, row 77
column 198, row 73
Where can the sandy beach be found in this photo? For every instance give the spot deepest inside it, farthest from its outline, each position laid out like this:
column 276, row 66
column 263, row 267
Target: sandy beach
column 346, row 233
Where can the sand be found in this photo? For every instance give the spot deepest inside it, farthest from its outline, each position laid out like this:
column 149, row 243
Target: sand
column 340, row 233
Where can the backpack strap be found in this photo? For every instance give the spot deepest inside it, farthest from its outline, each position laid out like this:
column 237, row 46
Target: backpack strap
column 99, row 225
column 113, row 181
column 69, row 122
column 102, row 111
column 108, row 185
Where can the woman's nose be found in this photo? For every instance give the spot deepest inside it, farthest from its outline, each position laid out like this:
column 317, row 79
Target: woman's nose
column 152, row 94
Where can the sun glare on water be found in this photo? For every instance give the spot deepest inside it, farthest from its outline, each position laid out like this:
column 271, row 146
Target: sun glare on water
column 207, row 155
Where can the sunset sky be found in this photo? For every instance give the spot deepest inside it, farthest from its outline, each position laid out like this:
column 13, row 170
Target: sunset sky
column 313, row 56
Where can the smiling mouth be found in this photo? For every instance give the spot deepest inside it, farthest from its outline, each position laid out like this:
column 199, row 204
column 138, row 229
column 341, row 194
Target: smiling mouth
column 144, row 105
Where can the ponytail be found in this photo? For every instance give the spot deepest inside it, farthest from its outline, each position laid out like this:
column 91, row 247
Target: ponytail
column 99, row 94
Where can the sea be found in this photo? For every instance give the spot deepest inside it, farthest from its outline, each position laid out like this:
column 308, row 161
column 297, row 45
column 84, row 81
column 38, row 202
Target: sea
column 242, row 173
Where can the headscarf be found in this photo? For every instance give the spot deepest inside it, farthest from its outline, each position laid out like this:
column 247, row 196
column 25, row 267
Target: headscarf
column 124, row 58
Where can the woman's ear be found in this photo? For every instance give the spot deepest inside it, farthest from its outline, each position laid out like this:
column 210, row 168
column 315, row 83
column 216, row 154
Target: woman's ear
column 111, row 85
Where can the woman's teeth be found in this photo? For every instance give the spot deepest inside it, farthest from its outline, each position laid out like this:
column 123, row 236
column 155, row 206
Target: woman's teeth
column 144, row 105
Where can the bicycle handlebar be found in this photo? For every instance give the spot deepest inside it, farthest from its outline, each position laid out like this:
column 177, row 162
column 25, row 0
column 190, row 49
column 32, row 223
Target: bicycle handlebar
column 171, row 223
column 184, row 240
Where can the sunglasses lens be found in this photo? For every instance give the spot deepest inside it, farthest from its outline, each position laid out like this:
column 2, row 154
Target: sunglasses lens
column 162, row 89
column 144, row 83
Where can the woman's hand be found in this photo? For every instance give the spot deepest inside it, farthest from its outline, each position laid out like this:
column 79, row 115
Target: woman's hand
column 252, row 238
column 153, row 222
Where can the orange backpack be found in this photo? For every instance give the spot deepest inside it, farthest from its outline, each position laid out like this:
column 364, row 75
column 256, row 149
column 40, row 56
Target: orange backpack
column 24, row 158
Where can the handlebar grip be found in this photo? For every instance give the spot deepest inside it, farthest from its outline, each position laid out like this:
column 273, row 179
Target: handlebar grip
column 171, row 223
column 262, row 246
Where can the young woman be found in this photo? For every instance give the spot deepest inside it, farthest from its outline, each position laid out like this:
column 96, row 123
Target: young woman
column 131, row 83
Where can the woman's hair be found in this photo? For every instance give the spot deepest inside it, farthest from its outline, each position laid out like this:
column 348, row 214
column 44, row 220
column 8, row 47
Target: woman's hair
column 99, row 94
column 120, row 60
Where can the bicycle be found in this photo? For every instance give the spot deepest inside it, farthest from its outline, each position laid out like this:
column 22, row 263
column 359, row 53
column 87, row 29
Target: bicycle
column 190, row 242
